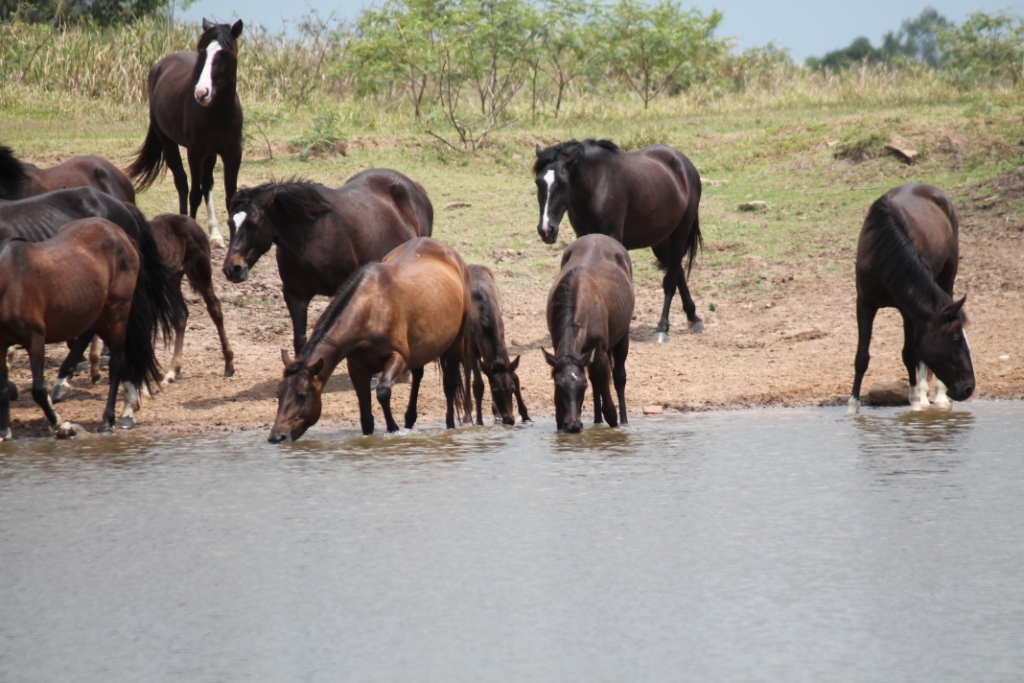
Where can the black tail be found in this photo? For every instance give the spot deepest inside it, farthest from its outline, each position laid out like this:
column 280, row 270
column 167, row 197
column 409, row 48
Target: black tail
column 162, row 308
column 12, row 174
column 463, row 402
column 141, row 366
column 149, row 163
column 694, row 243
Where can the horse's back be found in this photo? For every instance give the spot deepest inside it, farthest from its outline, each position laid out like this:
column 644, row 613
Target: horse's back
column 179, row 237
column 602, row 275
column 407, row 196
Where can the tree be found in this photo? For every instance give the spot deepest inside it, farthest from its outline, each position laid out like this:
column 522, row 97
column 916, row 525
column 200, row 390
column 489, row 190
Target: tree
column 986, row 48
column 917, row 38
column 565, row 43
column 860, row 50
column 102, row 12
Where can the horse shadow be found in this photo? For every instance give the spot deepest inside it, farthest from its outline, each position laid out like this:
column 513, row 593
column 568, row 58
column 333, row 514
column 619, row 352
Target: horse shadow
column 265, row 390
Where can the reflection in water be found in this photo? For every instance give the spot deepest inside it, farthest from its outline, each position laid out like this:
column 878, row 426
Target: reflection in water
column 914, row 441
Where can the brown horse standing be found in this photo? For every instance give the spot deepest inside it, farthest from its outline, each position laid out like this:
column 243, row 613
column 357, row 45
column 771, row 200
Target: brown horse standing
column 186, row 250
column 80, row 171
column 391, row 316
column 589, row 309
column 324, row 235
column 486, row 350
column 647, row 198
column 907, row 258
column 43, row 301
column 193, row 103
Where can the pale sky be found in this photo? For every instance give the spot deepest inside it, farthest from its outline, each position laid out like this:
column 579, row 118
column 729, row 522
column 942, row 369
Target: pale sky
column 806, row 27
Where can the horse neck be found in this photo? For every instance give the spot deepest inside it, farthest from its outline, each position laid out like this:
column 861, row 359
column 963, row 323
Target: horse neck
column 569, row 337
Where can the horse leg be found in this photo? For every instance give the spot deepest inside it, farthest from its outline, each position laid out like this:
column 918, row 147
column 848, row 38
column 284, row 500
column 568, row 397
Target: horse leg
column 414, row 394
column 695, row 323
column 61, row 390
column 941, row 399
column 916, row 370
column 865, row 321
column 195, row 194
column 519, row 399
column 179, row 343
column 172, row 157
column 600, row 374
column 478, row 391
column 393, row 369
column 132, row 403
column 232, row 159
column 360, row 377
column 619, row 353
column 5, row 397
column 297, row 309
column 37, row 361
column 95, row 357
column 211, row 214
column 200, row 275
column 670, row 254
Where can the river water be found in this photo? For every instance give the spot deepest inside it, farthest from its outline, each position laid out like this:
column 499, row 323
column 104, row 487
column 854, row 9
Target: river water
column 769, row 545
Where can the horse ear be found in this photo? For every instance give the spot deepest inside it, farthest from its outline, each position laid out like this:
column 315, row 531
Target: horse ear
column 952, row 311
column 285, row 358
column 513, row 365
column 316, row 367
column 539, row 150
column 206, row 24
column 552, row 360
column 236, row 29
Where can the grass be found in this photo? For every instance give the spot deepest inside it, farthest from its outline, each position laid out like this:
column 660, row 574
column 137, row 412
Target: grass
column 818, row 165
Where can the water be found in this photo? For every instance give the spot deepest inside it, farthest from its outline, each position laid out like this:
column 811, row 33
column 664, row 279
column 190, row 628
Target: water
column 777, row 545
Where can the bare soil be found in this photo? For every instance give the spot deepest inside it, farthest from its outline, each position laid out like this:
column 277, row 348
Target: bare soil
column 788, row 340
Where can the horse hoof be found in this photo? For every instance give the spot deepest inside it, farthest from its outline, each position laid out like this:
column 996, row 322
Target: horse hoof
column 660, row 338
column 60, row 392
column 696, row 327
column 69, row 430
column 168, row 378
column 126, row 423
column 229, row 372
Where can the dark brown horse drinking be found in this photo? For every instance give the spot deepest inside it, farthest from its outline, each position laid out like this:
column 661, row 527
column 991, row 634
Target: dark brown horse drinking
column 399, row 314
column 589, row 309
column 186, row 250
column 486, row 350
column 907, row 258
column 193, row 103
column 43, row 301
column 647, row 198
column 80, row 171
column 324, row 235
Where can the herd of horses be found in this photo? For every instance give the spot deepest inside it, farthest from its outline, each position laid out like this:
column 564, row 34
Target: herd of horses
column 78, row 260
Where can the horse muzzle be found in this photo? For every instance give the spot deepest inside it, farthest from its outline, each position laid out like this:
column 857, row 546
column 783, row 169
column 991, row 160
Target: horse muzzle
column 548, row 235
column 277, row 437
column 204, row 96
column 236, row 272
column 961, row 391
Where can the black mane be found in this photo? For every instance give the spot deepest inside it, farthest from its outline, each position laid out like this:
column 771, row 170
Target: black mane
column 334, row 310
column 897, row 262
column 564, row 303
column 287, row 202
column 548, row 156
column 12, row 174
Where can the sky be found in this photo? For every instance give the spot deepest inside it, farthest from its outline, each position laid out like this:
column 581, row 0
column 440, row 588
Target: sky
column 807, row 27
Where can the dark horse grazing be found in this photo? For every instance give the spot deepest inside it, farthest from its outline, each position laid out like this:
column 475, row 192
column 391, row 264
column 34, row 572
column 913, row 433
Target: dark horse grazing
column 907, row 257
column 324, row 235
column 647, row 198
column 39, row 218
column 401, row 313
column 486, row 352
column 43, row 301
column 186, row 250
column 193, row 103
column 80, row 171
column 589, row 308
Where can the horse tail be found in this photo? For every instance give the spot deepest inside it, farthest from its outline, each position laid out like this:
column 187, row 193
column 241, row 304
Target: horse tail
column 694, row 243
column 140, row 363
column 149, row 162
column 161, row 305
column 459, row 368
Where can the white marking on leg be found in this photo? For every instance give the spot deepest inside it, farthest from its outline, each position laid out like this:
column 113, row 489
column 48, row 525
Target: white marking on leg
column 131, row 400
column 853, row 406
column 919, row 392
column 56, row 417
column 204, row 86
column 941, row 399
column 549, row 178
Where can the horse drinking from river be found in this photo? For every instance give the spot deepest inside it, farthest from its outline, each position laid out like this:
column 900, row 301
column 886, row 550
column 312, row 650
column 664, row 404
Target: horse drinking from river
column 324, row 235
column 907, row 258
column 193, row 103
column 589, row 309
column 647, row 198
column 399, row 314
column 43, row 301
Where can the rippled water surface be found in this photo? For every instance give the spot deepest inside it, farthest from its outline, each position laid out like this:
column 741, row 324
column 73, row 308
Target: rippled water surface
column 783, row 545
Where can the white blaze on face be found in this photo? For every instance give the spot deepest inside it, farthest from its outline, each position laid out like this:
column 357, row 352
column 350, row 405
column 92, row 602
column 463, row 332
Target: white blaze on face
column 239, row 218
column 204, row 87
column 549, row 178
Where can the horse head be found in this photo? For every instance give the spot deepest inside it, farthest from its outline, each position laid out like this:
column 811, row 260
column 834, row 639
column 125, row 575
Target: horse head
column 500, row 377
column 252, row 234
column 298, row 399
column 552, row 170
column 943, row 347
column 217, row 64
column 570, row 378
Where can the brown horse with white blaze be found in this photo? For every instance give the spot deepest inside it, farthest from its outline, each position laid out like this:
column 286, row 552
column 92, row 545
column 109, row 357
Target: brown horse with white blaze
column 402, row 313
column 907, row 258
column 42, row 301
column 589, row 309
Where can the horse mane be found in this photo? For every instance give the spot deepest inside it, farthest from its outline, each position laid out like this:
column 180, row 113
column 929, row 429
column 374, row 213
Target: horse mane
column 488, row 323
column 337, row 306
column 896, row 260
column 564, row 302
column 569, row 148
column 291, row 200
column 12, row 174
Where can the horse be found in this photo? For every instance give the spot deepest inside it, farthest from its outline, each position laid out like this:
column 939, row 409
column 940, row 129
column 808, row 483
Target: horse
column 43, row 301
column 323, row 235
column 589, row 308
column 40, row 217
column 907, row 258
column 186, row 251
column 79, row 171
column 647, row 198
column 486, row 352
column 402, row 313
column 193, row 103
